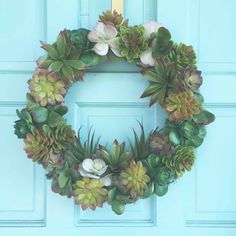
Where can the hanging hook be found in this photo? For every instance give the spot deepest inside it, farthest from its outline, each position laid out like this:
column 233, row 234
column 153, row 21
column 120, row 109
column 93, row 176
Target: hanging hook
column 118, row 6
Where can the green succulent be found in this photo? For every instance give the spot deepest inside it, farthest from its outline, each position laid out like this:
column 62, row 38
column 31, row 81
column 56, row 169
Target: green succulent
column 133, row 179
column 63, row 59
column 132, row 42
column 181, row 106
column 24, row 125
column 204, row 118
column 46, row 88
column 89, row 193
column 182, row 160
column 38, row 146
column 161, row 42
column 188, row 133
column 117, row 158
column 160, row 144
column 79, row 39
column 113, row 18
column 140, row 149
column 182, row 55
column 79, row 151
column 192, row 79
column 162, row 79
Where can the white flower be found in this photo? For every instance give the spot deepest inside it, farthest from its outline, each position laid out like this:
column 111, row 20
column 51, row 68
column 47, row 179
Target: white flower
column 104, row 36
column 149, row 28
column 95, row 169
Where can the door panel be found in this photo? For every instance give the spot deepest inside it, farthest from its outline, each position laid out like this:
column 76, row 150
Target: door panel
column 202, row 202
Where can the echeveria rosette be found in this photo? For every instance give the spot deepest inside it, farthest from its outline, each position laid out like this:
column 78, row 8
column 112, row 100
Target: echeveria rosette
column 95, row 169
column 181, row 106
column 38, row 146
column 104, row 37
column 46, row 88
column 132, row 42
column 182, row 160
column 113, row 18
column 134, row 179
column 89, row 193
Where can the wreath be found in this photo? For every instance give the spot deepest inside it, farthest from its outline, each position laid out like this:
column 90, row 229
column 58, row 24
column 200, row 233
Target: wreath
column 94, row 174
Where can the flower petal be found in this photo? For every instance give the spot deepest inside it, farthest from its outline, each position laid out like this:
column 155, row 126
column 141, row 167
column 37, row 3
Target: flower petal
column 113, row 43
column 146, row 58
column 93, row 36
column 98, row 164
column 87, row 165
column 110, row 32
column 101, row 48
column 151, row 27
column 84, row 173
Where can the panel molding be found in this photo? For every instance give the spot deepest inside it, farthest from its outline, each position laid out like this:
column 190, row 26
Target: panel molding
column 35, row 216
column 209, row 218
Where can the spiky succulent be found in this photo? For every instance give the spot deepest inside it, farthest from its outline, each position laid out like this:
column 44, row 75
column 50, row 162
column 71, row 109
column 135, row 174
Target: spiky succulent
column 62, row 59
column 46, row 88
column 160, row 144
column 192, row 79
column 113, row 18
column 182, row 55
column 140, row 149
column 181, row 106
column 133, row 179
column 89, row 193
column 132, row 42
column 182, row 160
column 162, row 79
column 117, row 158
column 38, row 146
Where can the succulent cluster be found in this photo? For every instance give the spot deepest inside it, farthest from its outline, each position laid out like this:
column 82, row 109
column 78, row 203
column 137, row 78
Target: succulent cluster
column 88, row 171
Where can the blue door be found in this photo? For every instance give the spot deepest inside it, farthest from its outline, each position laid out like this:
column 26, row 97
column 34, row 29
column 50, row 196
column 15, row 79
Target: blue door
column 202, row 202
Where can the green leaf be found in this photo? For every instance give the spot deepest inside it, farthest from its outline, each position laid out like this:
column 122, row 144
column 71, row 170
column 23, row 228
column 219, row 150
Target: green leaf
column 55, row 66
column 61, row 110
column 61, row 43
column 40, row 114
column 54, row 119
column 111, row 194
column 52, row 52
column 149, row 191
column 204, row 118
column 63, row 179
column 161, row 190
column 174, row 137
column 76, row 64
column 118, row 207
column 149, row 91
column 91, row 59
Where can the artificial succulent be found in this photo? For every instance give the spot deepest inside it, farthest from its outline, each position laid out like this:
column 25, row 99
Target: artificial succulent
column 46, row 88
column 133, row 179
column 89, row 193
column 117, row 158
column 182, row 160
column 192, row 79
column 113, row 18
column 38, row 146
column 159, row 144
column 182, row 55
column 132, row 42
column 181, row 106
column 162, row 79
column 63, row 59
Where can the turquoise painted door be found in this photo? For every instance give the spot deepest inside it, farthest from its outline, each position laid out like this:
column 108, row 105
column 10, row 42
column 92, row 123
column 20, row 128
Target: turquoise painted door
column 202, row 202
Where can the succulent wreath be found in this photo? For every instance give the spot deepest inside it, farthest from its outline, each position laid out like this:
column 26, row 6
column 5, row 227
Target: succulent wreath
column 91, row 173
